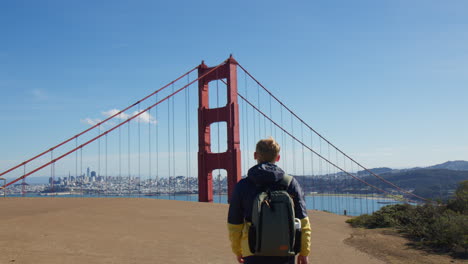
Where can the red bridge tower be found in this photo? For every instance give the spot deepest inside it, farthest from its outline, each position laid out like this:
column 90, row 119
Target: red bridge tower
column 231, row 159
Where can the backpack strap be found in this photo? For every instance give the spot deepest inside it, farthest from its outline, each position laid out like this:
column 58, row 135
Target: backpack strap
column 286, row 181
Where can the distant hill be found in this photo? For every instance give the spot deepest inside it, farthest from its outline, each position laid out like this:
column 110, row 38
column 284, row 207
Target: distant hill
column 432, row 182
column 457, row 165
column 376, row 171
column 428, row 183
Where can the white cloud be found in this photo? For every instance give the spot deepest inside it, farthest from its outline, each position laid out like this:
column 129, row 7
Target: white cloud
column 90, row 121
column 115, row 111
column 145, row 117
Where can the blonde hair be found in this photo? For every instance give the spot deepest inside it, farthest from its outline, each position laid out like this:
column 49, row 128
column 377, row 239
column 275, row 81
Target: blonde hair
column 267, row 150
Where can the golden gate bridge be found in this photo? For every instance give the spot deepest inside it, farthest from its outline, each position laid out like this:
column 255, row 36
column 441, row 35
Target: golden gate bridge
column 153, row 141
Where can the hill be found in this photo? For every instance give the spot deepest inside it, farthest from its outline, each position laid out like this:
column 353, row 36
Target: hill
column 434, row 182
column 458, row 165
column 428, row 183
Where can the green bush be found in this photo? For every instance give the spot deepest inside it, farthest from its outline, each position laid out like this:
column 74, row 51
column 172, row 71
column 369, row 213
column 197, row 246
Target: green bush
column 438, row 226
column 387, row 216
column 419, row 220
column 449, row 232
column 364, row 220
column 460, row 203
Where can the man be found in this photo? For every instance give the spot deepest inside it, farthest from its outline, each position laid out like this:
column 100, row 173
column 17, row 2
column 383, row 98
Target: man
column 265, row 173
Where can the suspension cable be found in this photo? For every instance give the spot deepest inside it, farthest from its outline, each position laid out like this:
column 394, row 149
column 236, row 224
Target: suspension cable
column 173, row 143
column 318, row 134
column 106, row 175
column 149, row 152
column 319, row 155
column 139, row 152
column 189, row 139
column 167, row 190
column 187, row 135
column 100, row 123
column 111, row 129
column 157, row 148
column 81, row 171
column 128, row 159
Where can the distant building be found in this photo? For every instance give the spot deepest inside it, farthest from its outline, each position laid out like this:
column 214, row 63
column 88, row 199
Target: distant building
column 93, row 174
column 54, row 181
column 87, row 172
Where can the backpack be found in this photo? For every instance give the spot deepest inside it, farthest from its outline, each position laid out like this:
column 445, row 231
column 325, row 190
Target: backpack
column 273, row 231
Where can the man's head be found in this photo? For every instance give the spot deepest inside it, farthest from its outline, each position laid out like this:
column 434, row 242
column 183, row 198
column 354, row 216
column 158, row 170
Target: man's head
column 267, row 150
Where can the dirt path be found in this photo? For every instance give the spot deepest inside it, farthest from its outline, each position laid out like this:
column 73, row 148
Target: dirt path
column 74, row 230
column 391, row 247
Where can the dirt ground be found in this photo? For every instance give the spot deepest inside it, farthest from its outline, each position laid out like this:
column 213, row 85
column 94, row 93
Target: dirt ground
column 123, row 230
column 392, row 247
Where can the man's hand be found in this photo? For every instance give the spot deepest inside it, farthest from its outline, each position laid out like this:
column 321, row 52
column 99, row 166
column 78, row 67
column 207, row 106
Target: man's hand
column 240, row 259
column 302, row 260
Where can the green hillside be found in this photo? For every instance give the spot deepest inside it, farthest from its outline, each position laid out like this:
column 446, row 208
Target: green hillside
column 428, row 183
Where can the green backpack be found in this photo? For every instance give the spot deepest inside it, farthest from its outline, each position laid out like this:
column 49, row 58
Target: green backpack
column 273, row 232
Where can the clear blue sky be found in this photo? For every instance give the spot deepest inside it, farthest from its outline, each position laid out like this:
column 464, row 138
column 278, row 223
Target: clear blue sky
column 387, row 81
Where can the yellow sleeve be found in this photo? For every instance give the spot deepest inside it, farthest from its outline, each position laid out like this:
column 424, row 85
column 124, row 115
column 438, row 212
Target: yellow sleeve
column 235, row 235
column 305, row 237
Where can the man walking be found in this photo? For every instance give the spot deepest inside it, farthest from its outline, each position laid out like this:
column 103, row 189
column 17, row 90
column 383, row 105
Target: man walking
column 265, row 174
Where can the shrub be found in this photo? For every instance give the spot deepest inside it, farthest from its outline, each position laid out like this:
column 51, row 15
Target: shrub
column 460, row 202
column 387, row 216
column 440, row 227
column 448, row 232
column 419, row 220
column 360, row 221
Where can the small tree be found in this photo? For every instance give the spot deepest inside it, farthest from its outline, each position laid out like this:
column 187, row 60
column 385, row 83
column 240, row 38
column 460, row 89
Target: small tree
column 460, row 203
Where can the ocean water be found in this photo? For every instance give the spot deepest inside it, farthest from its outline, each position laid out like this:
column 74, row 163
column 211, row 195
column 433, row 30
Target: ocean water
column 349, row 205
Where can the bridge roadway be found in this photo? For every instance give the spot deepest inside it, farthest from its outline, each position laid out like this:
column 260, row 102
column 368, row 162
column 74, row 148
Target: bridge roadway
column 123, row 230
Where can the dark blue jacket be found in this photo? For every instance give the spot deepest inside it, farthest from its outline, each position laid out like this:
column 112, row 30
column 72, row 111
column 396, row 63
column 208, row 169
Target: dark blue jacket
column 264, row 174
